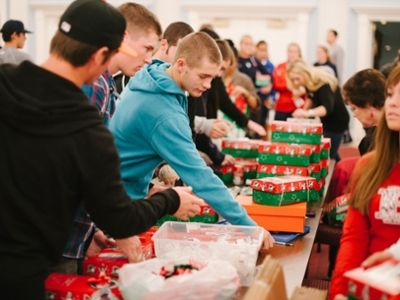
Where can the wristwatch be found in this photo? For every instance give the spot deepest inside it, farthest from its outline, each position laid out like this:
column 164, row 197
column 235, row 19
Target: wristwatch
column 310, row 113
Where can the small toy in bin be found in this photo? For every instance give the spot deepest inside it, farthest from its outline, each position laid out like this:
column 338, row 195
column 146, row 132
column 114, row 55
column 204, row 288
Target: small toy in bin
column 179, row 279
column 239, row 245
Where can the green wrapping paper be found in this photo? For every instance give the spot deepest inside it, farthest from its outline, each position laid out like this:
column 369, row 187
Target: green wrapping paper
column 299, row 133
column 284, row 190
column 315, row 154
column 249, row 168
column 240, row 152
column 226, row 178
column 245, row 148
column 337, row 209
column 296, row 138
column 324, row 153
column 282, row 159
column 284, row 154
column 206, row 215
column 278, row 200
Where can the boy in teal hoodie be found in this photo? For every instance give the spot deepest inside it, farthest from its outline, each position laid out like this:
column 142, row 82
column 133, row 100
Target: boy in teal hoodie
column 151, row 125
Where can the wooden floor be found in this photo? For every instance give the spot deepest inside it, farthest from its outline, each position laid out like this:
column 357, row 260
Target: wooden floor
column 318, row 264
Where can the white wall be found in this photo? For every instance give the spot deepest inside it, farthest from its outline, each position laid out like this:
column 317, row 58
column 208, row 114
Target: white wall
column 277, row 38
column 305, row 22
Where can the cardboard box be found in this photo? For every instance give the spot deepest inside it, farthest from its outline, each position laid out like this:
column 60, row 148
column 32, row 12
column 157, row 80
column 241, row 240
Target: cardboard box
column 299, row 133
column 306, row 293
column 74, row 287
column 269, row 284
column 283, row 190
column 378, row 282
column 288, row 218
column 284, row 154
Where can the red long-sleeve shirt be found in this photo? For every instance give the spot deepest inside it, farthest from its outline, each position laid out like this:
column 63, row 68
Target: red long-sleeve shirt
column 284, row 103
column 364, row 235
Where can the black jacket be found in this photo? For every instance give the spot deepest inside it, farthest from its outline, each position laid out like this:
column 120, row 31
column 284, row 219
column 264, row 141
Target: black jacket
column 367, row 142
column 55, row 152
column 337, row 117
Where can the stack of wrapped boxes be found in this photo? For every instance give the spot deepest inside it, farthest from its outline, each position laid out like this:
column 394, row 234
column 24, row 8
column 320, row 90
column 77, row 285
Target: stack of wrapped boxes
column 308, row 138
column 246, row 152
column 291, row 173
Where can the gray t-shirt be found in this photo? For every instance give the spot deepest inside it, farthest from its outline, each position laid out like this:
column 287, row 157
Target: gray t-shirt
column 11, row 55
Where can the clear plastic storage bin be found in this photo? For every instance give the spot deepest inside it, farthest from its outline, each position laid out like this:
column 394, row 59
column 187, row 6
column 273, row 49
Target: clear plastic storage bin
column 238, row 245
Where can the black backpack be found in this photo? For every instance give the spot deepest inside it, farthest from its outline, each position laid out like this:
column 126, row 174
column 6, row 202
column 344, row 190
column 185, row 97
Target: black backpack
column 120, row 81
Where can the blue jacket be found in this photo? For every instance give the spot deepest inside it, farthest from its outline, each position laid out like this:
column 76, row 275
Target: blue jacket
column 151, row 125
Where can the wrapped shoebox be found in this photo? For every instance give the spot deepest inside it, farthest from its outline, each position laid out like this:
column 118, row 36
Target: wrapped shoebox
column 265, row 170
column 284, row 154
column 336, row 210
column 286, row 218
column 206, row 215
column 298, row 133
column 314, row 170
column 379, row 282
column 249, row 168
column 315, row 154
column 225, row 173
column 238, row 245
column 245, row 148
column 75, row 287
column 283, row 190
column 110, row 260
column 324, row 163
column 326, row 146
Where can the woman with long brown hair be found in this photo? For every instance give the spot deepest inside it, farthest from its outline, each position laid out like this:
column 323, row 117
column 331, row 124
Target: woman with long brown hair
column 372, row 223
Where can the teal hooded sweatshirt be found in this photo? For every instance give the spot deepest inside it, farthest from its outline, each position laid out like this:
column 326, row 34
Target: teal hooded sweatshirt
column 151, row 125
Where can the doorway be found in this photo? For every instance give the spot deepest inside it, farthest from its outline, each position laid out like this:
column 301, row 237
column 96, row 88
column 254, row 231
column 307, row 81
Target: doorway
column 387, row 43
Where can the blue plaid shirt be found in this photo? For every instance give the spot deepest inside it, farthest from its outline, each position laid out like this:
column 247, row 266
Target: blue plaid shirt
column 98, row 92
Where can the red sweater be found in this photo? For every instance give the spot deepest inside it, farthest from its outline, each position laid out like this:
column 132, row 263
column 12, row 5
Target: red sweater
column 365, row 235
column 285, row 101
